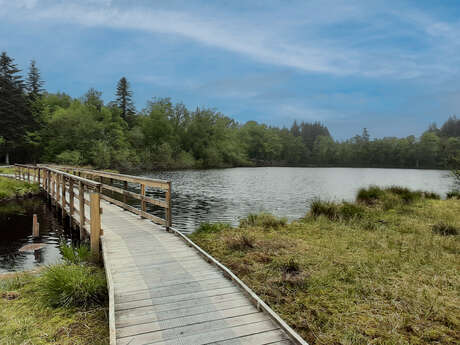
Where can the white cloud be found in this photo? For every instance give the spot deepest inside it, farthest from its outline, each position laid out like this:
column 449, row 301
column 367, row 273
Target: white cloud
column 302, row 44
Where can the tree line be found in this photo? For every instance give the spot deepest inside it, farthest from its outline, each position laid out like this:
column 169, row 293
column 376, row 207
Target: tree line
column 38, row 126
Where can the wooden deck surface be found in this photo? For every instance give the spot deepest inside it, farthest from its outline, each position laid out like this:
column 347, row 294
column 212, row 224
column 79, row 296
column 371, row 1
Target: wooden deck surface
column 166, row 293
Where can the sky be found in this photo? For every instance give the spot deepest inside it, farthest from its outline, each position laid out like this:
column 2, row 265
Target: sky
column 390, row 66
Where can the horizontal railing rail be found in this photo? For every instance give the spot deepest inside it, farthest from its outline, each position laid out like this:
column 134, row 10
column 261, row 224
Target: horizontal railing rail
column 73, row 194
column 107, row 180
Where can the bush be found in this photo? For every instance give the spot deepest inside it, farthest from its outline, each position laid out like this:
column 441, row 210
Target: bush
column 445, row 229
column 207, row 228
column 75, row 255
column 73, row 286
column 69, row 158
column 264, row 220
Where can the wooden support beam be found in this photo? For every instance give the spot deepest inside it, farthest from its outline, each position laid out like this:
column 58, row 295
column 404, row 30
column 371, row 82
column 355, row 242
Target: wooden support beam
column 95, row 225
column 71, row 201
column 81, row 199
column 168, row 209
column 35, row 227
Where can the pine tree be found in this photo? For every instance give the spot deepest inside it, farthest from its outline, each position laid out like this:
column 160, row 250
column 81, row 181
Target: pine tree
column 124, row 101
column 15, row 115
column 34, row 83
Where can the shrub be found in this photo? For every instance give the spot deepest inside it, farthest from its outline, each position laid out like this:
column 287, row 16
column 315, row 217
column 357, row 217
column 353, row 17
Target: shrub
column 241, row 241
column 69, row 157
column 264, row 220
column 75, row 254
column 73, row 285
column 445, row 229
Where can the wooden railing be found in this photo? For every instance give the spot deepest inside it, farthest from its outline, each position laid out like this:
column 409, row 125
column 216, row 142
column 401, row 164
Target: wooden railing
column 123, row 182
column 71, row 194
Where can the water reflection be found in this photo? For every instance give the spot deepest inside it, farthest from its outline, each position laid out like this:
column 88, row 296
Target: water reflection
column 226, row 195
column 16, row 232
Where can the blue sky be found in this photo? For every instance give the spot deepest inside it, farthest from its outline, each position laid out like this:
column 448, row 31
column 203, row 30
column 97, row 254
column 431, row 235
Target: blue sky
column 390, row 66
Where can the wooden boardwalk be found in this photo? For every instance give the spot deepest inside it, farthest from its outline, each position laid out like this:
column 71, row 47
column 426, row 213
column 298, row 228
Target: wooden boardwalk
column 164, row 289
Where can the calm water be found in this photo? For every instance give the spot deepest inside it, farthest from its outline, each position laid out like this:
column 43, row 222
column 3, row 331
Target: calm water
column 226, row 195
column 16, row 231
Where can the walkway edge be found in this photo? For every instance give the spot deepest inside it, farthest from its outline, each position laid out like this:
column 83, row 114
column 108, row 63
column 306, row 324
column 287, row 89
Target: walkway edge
column 261, row 305
column 108, row 274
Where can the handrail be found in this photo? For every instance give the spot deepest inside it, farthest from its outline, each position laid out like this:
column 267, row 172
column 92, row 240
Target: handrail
column 61, row 188
column 143, row 182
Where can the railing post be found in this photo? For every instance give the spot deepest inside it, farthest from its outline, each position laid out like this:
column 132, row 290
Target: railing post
column 81, row 199
column 28, row 175
column 71, row 201
column 63, row 199
column 95, row 215
column 125, row 197
column 168, row 210
column 143, row 208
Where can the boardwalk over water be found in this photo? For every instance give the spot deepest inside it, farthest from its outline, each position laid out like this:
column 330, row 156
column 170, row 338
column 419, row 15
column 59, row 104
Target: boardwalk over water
column 165, row 290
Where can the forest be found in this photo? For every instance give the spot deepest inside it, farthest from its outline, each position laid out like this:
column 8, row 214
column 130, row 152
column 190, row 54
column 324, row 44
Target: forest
column 38, row 126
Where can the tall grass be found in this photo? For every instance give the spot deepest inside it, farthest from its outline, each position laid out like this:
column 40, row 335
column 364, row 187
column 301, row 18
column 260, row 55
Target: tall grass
column 75, row 254
column 263, row 220
column 71, row 285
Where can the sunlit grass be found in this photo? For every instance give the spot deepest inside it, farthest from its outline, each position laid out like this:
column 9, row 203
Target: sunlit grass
column 10, row 188
column 387, row 273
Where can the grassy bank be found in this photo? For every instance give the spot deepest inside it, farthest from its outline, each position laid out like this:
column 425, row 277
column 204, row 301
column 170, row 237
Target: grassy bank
column 383, row 270
column 10, row 188
column 63, row 304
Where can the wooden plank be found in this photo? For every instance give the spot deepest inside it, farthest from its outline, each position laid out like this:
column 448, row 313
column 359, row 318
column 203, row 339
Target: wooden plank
column 154, row 332
column 218, row 335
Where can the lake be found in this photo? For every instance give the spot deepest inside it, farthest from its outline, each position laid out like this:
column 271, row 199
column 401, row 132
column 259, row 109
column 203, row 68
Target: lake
column 226, row 195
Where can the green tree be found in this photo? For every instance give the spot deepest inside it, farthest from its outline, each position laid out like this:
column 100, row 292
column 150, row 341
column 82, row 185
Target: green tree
column 15, row 116
column 124, row 101
column 34, row 83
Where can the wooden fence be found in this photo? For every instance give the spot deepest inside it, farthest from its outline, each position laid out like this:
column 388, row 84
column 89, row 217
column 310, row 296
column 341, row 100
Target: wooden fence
column 71, row 194
column 108, row 180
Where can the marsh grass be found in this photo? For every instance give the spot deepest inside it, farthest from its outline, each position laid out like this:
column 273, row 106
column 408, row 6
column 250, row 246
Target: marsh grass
column 214, row 227
column 263, row 220
column 75, row 254
column 384, row 277
column 72, row 285
column 10, row 188
column 445, row 229
column 4, row 170
column 454, row 194
column 27, row 320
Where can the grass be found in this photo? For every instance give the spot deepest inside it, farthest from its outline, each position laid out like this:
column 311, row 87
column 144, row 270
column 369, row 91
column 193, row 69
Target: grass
column 10, row 188
column 4, row 170
column 387, row 276
column 75, row 254
column 26, row 318
column 264, row 220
